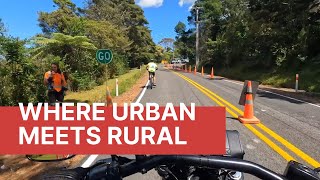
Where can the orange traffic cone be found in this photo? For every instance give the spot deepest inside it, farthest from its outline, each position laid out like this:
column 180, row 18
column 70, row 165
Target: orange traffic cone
column 248, row 117
column 108, row 98
column 212, row 75
column 195, row 70
column 202, row 71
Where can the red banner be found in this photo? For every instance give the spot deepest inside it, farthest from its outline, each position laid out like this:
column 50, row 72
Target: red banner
column 106, row 131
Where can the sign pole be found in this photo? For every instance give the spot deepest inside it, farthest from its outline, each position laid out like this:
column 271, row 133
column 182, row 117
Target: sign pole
column 107, row 75
column 104, row 56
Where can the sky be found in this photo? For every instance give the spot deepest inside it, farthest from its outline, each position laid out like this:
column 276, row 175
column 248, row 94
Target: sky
column 20, row 16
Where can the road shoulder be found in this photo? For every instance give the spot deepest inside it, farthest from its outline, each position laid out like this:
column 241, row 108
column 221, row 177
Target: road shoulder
column 300, row 95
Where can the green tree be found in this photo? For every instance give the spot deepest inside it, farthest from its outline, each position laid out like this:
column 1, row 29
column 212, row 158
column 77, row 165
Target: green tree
column 2, row 38
column 129, row 19
column 66, row 19
column 106, row 35
column 180, row 29
column 249, row 35
column 185, row 42
column 2, row 28
column 63, row 46
column 159, row 54
column 19, row 81
column 76, row 53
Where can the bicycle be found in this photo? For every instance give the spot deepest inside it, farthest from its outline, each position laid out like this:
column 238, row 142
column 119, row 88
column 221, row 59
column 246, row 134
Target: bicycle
column 151, row 81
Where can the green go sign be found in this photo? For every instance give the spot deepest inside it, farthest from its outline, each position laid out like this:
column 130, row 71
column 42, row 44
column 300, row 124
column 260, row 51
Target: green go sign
column 104, row 56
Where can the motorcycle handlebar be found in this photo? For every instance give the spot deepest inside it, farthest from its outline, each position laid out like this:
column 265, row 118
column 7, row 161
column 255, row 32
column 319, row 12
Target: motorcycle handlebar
column 212, row 162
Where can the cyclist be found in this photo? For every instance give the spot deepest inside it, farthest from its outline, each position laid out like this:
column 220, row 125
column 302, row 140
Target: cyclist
column 152, row 67
column 56, row 83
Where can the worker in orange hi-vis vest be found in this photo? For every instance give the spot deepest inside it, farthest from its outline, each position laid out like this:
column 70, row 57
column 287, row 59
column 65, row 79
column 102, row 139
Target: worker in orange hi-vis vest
column 56, row 83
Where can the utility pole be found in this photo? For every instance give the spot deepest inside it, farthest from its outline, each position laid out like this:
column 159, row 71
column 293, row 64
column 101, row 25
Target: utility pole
column 197, row 36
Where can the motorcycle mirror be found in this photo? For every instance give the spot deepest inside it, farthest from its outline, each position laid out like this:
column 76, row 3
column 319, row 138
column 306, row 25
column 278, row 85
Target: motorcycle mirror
column 49, row 157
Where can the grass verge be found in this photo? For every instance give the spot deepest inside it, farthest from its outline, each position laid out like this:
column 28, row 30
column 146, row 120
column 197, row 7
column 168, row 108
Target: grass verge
column 98, row 93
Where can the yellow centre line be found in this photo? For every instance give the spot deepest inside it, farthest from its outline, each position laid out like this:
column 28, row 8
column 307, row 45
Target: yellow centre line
column 287, row 144
column 290, row 146
column 275, row 147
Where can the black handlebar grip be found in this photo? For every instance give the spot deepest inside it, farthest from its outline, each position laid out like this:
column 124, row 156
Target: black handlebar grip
column 65, row 174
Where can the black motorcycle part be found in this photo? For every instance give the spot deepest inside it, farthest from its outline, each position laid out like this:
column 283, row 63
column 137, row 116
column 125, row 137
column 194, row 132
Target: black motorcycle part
column 65, row 174
column 233, row 145
column 297, row 171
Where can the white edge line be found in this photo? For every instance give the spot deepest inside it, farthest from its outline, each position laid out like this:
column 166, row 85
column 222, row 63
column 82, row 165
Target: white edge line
column 142, row 93
column 93, row 157
column 89, row 161
column 234, row 82
column 279, row 95
column 291, row 98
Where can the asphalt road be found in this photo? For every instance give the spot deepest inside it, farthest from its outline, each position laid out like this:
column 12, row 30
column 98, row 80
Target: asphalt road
column 289, row 129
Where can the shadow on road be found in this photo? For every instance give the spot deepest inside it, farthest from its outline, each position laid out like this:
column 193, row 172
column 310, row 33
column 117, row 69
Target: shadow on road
column 274, row 96
column 147, row 86
column 219, row 79
column 233, row 118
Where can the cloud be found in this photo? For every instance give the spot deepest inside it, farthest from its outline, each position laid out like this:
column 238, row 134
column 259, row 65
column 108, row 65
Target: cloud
column 182, row 2
column 149, row 3
column 190, row 8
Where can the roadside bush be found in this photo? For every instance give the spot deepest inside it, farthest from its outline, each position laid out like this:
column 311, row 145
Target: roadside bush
column 81, row 82
column 118, row 66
